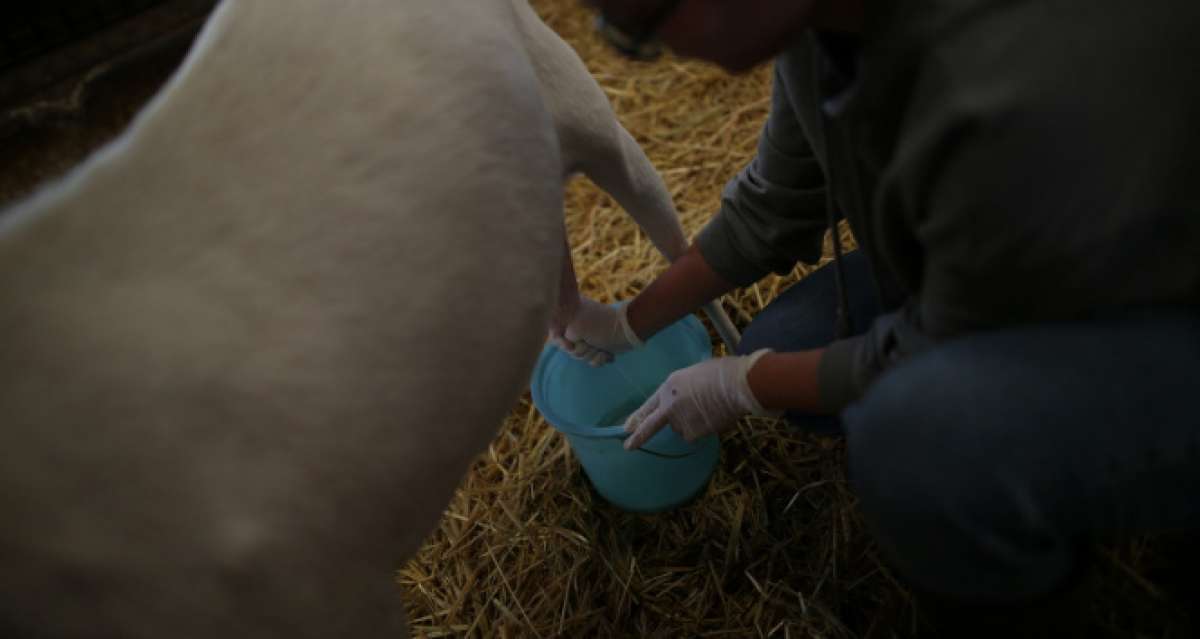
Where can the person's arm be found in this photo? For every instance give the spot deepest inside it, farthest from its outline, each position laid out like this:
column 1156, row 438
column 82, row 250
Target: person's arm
column 684, row 287
column 788, row 381
column 773, row 213
column 772, row 216
column 708, row 397
column 780, row 381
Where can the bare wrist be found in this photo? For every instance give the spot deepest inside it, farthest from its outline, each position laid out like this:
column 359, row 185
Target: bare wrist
column 787, row 381
column 627, row 331
column 636, row 318
column 751, row 400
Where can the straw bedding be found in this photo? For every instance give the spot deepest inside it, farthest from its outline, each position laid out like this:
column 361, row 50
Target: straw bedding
column 774, row 547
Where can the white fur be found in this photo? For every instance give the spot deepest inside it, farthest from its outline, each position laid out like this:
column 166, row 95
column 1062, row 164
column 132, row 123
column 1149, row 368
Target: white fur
column 248, row 350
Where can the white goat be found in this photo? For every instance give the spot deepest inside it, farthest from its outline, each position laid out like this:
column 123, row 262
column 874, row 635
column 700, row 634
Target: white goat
column 249, row 349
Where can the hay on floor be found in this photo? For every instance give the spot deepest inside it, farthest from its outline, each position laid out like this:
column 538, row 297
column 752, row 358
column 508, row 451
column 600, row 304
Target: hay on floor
column 773, row 548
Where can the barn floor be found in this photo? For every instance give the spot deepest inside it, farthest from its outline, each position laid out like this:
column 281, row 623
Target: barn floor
column 774, row 547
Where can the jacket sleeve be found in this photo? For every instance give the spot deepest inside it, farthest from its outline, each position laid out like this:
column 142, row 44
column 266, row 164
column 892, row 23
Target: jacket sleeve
column 772, row 213
column 850, row 365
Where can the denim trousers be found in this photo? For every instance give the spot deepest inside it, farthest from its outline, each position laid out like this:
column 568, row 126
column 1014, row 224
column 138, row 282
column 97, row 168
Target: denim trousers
column 985, row 463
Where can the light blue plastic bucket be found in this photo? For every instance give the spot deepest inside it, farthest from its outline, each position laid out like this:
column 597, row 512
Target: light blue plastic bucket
column 589, row 405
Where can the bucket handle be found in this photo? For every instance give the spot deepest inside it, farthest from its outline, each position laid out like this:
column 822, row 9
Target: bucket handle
column 618, row 432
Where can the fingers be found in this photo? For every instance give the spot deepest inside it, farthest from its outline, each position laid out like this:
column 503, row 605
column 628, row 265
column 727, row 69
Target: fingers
column 578, row 349
column 561, row 342
column 582, row 351
column 643, row 411
column 645, row 422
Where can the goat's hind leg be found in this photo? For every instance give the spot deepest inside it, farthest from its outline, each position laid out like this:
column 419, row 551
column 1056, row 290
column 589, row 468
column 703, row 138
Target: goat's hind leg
column 593, row 142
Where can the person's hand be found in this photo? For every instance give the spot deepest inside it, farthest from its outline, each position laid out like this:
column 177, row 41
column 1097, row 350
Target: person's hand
column 596, row 332
column 697, row 401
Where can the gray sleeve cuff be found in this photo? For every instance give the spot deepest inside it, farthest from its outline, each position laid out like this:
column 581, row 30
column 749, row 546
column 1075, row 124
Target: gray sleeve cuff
column 837, row 377
column 718, row 245
column 849, row 366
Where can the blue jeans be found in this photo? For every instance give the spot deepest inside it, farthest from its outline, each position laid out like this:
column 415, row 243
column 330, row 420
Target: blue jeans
column 984, row 463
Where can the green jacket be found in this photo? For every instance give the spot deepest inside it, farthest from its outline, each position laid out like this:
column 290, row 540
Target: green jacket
column 1000, row 163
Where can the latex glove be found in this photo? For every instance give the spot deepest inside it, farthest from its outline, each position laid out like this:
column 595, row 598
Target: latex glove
column 597, row 332
column 699, row 400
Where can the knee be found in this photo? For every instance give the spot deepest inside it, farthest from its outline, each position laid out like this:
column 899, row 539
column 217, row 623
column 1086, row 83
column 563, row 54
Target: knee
column 943, row 492
column 935, row 429
column 932, row 424
column 897, row 445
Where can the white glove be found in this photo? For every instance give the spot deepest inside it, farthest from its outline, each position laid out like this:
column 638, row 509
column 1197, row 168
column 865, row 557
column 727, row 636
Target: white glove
column 597, row 332
column 699, row 400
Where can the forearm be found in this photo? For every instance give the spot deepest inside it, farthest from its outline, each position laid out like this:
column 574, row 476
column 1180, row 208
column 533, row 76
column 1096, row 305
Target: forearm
column 787, row 381
column 684, row 287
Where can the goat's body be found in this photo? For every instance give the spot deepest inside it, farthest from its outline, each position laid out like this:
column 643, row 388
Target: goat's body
column 330, row 243
column 356, row 271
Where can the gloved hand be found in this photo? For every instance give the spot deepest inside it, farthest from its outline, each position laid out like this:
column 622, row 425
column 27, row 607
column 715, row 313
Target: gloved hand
column 597, row 332
column 699, row 400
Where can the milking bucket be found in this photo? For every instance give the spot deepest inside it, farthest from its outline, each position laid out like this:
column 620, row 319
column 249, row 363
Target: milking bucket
column 589, row 405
